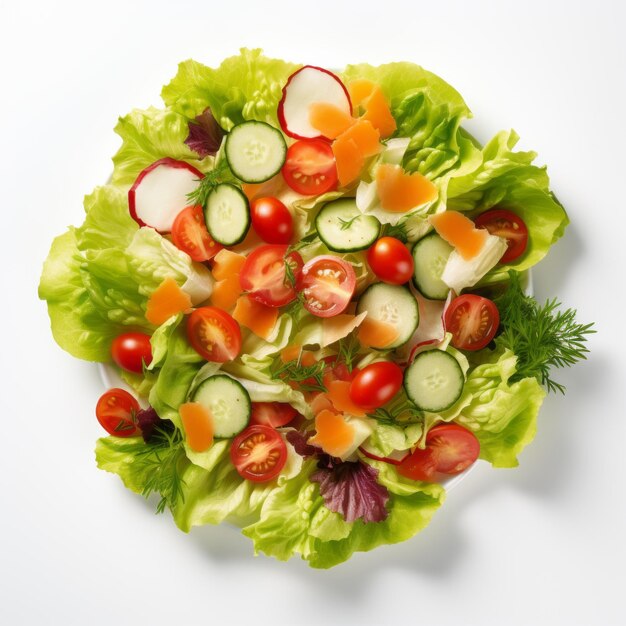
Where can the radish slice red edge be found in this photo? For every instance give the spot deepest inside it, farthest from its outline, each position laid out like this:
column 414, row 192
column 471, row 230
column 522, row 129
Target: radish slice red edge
column 431, row 329
column 308, row 85
column 400, row 455
column 160, row 191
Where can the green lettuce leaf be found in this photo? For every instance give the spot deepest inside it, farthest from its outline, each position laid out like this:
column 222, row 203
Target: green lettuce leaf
column 398, row 80
column 215, row 492
column 148, row 136
column 503, row 416
column 247, row 86
column 294, row 519
column 507, row 179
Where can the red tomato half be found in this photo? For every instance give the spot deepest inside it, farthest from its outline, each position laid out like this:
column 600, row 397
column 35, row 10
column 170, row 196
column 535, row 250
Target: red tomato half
column 506, row 224
column 271, row 220
column 214, row 334
column 376, row 384
column 274, row 414
column 419, row 465
column 131, row 351
column 310, row 167
column 190, row 235
column 450, row 449
column 263, row 275
column 472, row 320
column 117, row 413
column 391, row 261
column 258, row 453
column 328, row 283
column 455, row 447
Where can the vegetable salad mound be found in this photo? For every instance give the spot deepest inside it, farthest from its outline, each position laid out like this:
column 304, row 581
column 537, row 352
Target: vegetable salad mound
column 311, row 285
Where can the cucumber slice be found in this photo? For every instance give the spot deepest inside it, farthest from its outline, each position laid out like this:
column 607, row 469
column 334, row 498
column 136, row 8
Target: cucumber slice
column 227, row 214
column 392, row 304
column 255, row 151
column 434, row 381
column 228, row 403
column 430, row 255
column 343, row 228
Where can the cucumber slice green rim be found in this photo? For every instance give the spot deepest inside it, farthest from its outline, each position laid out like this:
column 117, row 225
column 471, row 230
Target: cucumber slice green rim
column 227, row 401
column 392, row 304
column 430, row 255
column 227, row 214
column 343, row 228
column 434, row 381
column 255, row 151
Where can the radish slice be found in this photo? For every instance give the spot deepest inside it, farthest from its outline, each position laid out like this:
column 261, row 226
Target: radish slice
column 308, row 85
column 431, row 328
column 160, row 193
column 394, row 458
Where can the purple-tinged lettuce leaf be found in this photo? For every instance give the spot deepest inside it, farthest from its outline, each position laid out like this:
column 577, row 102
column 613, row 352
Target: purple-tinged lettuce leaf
column 148, row 420
column 300, row 444
column 205, row 134
column 351, row 489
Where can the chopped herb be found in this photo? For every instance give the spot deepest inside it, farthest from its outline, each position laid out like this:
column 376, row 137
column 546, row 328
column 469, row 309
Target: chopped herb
column 221, row 174
column 308, row 377
column 349, row 348
column 398, row 231
column 541, row 336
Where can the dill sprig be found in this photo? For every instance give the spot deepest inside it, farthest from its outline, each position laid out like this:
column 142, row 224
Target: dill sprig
column 541, row 336
column 304, row 242
column 400, row 411
column 349, row 348
column 308, row 377
column 159, row 461
column 220, row 174
column 396, row 230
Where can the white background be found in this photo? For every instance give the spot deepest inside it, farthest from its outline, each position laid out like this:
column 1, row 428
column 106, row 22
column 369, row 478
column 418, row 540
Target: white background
column 542, row 544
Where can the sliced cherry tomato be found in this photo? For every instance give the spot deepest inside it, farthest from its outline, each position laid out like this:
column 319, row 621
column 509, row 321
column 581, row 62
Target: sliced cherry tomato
column 131, row 351
column 214, row 334
column 338, row 370
column 310, row 167
column 263, row 275
column 391, row 261
column 258, row 453
column 507, row 224
column 272, row 220
column 274, row 414
column 328, row 283
column 376, row 384
column 190, row 235
column 455, row 447
column 472, row 320
column 419, row 465
column 117, row 413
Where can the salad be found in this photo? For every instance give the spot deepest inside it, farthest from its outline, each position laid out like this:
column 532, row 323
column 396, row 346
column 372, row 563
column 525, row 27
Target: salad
column 312, row 285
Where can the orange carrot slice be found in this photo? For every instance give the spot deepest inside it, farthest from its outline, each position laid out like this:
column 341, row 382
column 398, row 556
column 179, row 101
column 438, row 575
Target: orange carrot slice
column 399, row 191
column 333, row 434
column 259, row 318
column 360, row 90
column 459, row 231
column 365, row 136
column 259, row 190
column 329, row 119
column 368, row 96
column 166, row 300
column 227, row 263
column 349, row 160
column 377, row 112
column 226, row 292
column 376, row 334
column 320, row 402
column 339, row 395
column 293, row 353
column 198, row 425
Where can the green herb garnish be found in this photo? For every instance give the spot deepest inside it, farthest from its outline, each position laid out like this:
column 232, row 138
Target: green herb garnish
column 541, row 336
